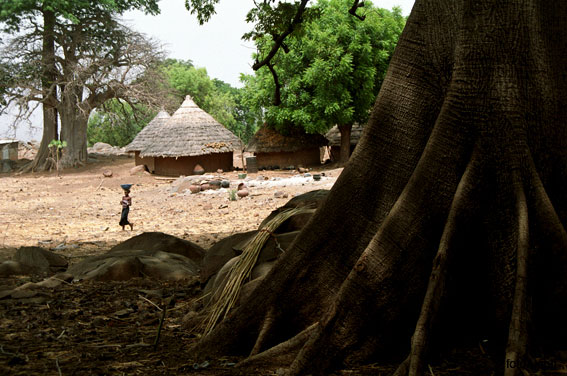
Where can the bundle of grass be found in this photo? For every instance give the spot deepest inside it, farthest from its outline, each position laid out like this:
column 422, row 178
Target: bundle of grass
column 242, row 268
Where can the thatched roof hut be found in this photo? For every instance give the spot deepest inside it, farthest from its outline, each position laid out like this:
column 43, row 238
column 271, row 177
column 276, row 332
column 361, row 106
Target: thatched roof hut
column 334, row 137
column 149, row 133
column 191, row 132
column 189, row 137
column 273, row 149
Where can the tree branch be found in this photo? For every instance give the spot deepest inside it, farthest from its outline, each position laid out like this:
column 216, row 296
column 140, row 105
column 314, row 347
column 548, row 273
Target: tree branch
column 277, row 94
column 297, row 19
column 357, row 4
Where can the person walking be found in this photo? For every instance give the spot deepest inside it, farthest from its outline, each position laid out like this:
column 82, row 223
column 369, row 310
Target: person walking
column 126, row 202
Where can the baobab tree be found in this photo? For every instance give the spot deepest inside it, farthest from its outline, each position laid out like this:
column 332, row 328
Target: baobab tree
column 447, row 224
column 71, row 57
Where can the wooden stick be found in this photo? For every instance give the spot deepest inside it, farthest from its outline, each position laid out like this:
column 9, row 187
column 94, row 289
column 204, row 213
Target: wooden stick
column 57, row 365
column 149, row 301
column 160, row 326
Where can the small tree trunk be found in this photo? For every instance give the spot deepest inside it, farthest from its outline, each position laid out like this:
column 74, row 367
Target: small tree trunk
column 345, row 130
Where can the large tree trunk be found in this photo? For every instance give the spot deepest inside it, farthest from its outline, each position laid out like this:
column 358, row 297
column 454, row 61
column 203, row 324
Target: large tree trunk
column 74, row 123
column 345, row 130
column 454, row 232
column 41, row 161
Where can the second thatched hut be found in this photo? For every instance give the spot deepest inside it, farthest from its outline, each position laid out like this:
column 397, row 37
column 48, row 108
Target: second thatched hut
column 334, row 137
column 190, row 137
column 275, row 150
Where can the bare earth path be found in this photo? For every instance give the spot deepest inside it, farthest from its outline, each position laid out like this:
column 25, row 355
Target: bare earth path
column 79, row 211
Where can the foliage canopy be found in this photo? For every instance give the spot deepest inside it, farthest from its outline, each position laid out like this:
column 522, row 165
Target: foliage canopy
column 331, row 71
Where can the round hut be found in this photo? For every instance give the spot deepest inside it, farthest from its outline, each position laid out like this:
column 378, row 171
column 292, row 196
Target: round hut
column 188, row 138
column 334, row 138
column 274, row 150
column 146, row 137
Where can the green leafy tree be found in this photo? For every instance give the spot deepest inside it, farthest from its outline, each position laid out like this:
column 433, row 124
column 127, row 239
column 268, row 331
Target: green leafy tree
column 214, row 96
column 247, row 118
column 53, row 26
column 117, row 123
column 332, row 71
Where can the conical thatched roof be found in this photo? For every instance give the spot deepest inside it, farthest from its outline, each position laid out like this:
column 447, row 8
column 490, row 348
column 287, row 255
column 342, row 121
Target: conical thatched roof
column 267, row 140
column 148, row 135
column 334, row 135
column 190, row 131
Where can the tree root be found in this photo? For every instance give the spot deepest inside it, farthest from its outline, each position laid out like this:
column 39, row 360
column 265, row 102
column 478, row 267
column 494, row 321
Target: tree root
column 266, row 327
column 413, row 365
column 403, row 368
column 291, row 345
column 517, row 334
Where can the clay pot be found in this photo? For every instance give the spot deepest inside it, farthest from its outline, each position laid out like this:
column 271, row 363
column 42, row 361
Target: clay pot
column 241, row 176
column 194, row 188
column 242, row 193
column 316, row 177
column 198, row 170
column 215, row 184
column 205, row 186
column 225, row 184
column 242, row 186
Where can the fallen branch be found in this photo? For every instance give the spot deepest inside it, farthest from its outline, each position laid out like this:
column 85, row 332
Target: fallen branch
column 149, row 301
column 160, row 326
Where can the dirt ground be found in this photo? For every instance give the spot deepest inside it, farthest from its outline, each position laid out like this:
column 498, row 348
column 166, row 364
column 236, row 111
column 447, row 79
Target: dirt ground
column 78, row 212
column 96, row 328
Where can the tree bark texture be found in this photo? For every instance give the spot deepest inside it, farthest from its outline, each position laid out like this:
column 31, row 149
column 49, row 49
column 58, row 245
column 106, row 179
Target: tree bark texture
column 446, row 227
column 49, row 78
column 74, row 131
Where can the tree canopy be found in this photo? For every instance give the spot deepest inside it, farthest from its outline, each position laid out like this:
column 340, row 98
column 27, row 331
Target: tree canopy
column 331, row 72
column 15, row 14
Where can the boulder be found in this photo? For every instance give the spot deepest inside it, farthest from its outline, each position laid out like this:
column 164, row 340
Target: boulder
column 10, row 267
column 221, row 252
column 227, row 251
column 312, row 199
column 127, row 264
column 159, row 241
column 40, row 259
column 138, row 169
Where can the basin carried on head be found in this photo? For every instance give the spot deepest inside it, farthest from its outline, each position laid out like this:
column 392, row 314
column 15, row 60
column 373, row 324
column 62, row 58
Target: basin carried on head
column 126, row 187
